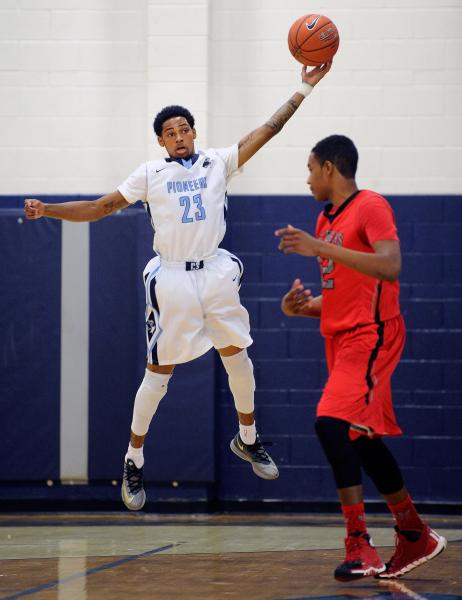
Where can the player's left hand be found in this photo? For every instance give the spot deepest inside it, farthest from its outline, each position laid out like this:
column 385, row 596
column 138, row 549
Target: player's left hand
column 296, row 241
column 298, row 301
column 315, row 75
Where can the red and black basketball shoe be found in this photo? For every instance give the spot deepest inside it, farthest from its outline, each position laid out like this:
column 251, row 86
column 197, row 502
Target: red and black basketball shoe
column 361, row 560
column 413, row 548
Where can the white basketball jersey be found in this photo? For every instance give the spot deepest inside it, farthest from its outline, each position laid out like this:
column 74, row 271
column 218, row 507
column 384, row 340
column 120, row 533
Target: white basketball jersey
column 187, row 206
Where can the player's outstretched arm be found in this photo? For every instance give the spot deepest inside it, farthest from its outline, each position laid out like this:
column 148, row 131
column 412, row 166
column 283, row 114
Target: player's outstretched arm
column 81, row 210
column 384, row 263
column 300, row 302
column 257, row 138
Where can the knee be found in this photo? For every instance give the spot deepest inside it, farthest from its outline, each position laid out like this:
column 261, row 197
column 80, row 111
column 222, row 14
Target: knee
column 238, row 365
column 156, row 382
column 380, row 464
column 241, row 380
column 335, row 441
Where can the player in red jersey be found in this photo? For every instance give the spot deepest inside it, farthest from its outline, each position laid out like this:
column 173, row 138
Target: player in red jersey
column 358, row 251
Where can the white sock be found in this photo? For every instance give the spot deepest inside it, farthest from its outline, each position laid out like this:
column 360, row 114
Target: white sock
column 151, row 391
column 241, row 380
column 248, row 433
column 136, row 455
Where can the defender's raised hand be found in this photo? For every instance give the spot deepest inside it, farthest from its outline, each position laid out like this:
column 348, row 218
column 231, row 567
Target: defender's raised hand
column 296, row 241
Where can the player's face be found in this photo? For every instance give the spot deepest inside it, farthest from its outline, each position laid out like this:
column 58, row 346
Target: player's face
column 318, row 180
column 177, row 137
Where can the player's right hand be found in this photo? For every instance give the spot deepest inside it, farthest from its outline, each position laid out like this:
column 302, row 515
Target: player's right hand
column 315, row 75
column 297, row 301
column 33, row 209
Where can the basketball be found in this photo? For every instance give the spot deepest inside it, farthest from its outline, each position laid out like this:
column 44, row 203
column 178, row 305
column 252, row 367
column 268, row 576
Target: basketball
column 313, row 40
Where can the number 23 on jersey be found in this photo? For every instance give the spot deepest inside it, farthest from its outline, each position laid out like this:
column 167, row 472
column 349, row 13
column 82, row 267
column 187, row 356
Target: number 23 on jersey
column 193, row 211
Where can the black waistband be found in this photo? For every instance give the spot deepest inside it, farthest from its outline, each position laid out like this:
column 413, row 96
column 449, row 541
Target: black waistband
column 194, row 265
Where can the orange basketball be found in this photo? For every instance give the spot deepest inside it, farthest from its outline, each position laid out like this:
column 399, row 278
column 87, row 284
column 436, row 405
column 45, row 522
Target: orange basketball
column 313, row 40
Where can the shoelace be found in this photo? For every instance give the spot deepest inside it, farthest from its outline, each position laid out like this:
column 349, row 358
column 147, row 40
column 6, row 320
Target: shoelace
column 134, row 478
column 260, row 452
column 399, row 547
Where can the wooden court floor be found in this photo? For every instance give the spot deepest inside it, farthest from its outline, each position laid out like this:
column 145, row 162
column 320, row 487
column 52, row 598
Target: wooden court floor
column 205, row 557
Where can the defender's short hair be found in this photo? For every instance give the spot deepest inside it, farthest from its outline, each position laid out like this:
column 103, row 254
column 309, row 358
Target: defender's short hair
column 168, row 113
column 340, row 151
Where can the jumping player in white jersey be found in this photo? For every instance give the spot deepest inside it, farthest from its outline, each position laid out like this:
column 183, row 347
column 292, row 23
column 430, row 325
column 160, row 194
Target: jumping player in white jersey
column 192, row 285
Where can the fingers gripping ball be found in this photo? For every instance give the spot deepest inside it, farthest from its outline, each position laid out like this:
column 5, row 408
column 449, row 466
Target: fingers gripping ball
column 313, row 40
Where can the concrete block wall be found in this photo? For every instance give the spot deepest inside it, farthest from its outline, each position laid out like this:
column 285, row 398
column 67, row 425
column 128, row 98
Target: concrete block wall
column 178, row 62
column 81, row 82
column 73, row 106
column 396, row 89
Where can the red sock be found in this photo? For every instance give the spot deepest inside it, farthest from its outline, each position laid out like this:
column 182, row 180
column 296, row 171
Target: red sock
column 405, row 514
column 355, row 518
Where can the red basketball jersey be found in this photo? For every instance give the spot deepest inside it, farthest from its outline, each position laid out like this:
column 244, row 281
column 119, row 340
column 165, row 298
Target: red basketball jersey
column 350, row 298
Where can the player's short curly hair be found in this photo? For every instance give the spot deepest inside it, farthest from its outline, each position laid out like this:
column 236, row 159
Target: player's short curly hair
column 339, row 150
column 168, row 113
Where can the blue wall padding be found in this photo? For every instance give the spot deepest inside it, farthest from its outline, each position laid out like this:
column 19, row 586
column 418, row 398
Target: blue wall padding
column 179, row 447
column 30, row 309
column 115, row 329
column 288, row 353
column 189, row 439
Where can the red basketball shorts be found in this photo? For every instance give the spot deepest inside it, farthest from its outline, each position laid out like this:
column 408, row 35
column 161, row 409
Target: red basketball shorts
column 361, row 362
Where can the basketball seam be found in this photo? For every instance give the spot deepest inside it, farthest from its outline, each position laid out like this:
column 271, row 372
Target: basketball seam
column 296, row 35
column 319, row 31
column 307, row 52
column 293, row 49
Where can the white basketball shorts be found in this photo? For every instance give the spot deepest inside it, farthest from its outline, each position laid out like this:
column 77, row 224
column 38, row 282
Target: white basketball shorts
column 192, row 307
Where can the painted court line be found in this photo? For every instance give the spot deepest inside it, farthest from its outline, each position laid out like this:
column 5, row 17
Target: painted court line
column 106, row 567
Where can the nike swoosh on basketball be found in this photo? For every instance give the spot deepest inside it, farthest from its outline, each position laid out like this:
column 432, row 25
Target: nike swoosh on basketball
column 313, row 23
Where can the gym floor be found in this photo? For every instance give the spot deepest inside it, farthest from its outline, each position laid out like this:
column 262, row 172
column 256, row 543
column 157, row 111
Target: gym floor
column 195, row 557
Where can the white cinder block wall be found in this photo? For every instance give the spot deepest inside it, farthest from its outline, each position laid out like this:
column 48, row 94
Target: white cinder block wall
column 82, row 79
column 73, row 94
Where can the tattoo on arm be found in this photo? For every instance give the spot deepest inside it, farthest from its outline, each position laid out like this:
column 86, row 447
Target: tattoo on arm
column 280, row 118
column 108, row 207
column 112, row 205
column 246, row 141
column 253, row 141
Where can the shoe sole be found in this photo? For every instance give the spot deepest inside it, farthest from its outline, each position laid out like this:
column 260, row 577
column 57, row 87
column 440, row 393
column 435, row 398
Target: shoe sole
column 373, row 571
column 440, row 547
column 260, row 474
column 126, row 500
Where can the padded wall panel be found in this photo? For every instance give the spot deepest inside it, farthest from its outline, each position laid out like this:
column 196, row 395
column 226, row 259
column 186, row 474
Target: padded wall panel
column 181, row 443
column 115, row 355
column 288, row 353
column 30, row 306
